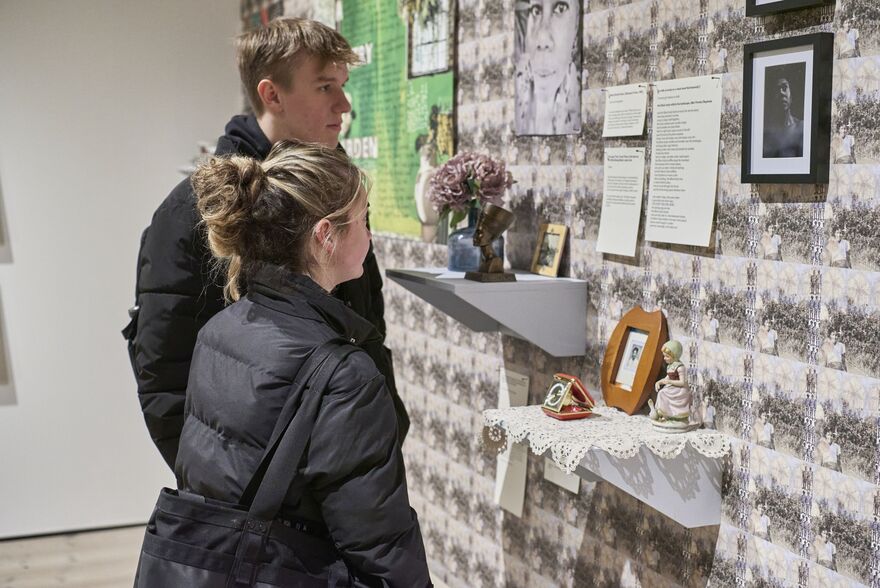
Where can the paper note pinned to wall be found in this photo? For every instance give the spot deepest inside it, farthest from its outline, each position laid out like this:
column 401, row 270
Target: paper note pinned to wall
column 623, row 185
column 684, row 161
column 625, row 109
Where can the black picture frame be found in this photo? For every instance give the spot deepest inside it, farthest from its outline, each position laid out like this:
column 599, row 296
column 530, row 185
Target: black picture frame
column 774, row 7
column 785, row 152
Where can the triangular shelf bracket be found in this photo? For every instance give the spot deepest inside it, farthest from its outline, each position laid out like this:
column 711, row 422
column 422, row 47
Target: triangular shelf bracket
column 548, row 312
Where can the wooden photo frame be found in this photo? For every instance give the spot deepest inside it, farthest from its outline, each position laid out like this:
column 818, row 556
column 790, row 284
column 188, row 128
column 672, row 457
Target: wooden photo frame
column 787, row 110
column 762, row 7
column 633, row 360
column 548, row 251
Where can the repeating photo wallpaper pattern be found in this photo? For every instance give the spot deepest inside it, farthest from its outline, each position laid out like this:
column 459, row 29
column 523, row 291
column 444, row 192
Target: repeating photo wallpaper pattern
column 791, row 372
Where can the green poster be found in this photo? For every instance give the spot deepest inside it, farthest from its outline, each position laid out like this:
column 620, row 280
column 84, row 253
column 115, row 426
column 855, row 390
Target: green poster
column 401, row 126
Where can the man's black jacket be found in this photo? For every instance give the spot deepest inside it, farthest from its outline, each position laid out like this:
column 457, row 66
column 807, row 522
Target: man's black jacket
column 178, row 289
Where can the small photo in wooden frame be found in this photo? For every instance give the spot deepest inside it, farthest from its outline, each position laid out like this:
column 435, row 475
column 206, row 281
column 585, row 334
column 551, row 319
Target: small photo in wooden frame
column 548, row 251
column 629, row 361
column 762, row 7
column 787, row 110
column 633, row 359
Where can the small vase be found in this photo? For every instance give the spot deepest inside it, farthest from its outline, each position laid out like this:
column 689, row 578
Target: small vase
column 462, row 255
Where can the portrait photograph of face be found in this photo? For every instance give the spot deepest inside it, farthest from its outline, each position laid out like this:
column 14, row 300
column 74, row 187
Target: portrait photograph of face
column 787, row 110
column 632, row 359
column 784, row 110
column 629, row 363
column 547, row 50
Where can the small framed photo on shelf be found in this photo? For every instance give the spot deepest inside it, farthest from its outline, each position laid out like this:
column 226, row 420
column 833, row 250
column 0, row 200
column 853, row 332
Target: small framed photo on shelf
column 787, row 110
column 548, row 251
column 633, row 360
column 762, row 7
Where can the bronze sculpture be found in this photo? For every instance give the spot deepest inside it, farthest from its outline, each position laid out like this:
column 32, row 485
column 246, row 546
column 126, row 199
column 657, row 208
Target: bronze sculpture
column 493, row 221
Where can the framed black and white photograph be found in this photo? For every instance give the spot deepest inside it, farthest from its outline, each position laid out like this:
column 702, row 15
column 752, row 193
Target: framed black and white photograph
column 632, row 354
column 547, row 59
column 787, row 110
column 548, row 251
column 762, row 7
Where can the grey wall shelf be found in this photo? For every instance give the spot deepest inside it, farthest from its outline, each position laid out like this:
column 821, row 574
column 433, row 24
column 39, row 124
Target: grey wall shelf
column 549, row 312
column 685, row 487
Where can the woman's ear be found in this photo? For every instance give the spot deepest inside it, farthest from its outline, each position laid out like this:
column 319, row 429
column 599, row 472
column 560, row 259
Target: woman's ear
column 324, row 236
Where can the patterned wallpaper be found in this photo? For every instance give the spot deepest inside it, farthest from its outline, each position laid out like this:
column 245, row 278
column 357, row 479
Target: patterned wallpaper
column 792, row 279
column 791, row 373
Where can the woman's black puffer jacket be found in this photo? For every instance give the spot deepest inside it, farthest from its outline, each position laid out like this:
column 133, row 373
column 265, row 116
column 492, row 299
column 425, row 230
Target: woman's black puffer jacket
column 351, row 484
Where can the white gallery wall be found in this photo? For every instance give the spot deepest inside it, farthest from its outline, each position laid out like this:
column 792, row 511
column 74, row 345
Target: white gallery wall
column 100, row 102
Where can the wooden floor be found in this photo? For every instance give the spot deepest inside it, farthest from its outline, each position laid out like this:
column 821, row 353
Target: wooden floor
column 95, row 559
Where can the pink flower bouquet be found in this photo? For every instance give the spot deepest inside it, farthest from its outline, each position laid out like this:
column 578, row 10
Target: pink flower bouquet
column 465, row 182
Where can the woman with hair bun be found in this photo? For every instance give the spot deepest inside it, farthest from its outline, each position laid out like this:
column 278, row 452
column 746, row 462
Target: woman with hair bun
column 291, row 228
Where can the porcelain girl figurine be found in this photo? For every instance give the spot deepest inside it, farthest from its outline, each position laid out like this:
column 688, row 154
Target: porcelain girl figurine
column 672, row 411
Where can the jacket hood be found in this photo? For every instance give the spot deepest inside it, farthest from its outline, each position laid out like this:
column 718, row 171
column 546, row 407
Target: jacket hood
column 244, row 137
column 298, row 295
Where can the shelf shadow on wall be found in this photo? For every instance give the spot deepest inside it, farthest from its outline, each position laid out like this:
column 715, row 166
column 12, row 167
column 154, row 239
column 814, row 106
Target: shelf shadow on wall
column 628, row 543
column 611, row 539
column 7, row 387
column 5, row 245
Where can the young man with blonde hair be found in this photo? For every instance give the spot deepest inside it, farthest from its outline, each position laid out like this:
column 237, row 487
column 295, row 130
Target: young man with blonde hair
column 293, row 71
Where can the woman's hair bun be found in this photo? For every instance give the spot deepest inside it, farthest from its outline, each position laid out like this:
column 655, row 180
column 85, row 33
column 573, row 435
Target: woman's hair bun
column 226, row 190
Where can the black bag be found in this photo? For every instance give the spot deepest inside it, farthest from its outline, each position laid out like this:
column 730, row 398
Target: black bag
column 196, row 542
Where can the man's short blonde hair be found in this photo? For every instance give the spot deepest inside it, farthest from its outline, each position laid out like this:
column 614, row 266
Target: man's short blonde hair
column 274, row 51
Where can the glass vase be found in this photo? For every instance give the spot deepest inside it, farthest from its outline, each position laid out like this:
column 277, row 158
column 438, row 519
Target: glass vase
column 462, row 255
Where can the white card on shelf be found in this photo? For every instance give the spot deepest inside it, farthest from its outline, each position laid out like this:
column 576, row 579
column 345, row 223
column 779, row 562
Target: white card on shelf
column 570, row 482
column 510, row 477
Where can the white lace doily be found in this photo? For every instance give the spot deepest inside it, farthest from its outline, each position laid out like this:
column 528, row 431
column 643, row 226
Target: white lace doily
column 609, row 429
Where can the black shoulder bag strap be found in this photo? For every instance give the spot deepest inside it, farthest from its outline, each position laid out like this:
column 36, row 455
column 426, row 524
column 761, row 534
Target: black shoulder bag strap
column 278, row 466
column 299, row 413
